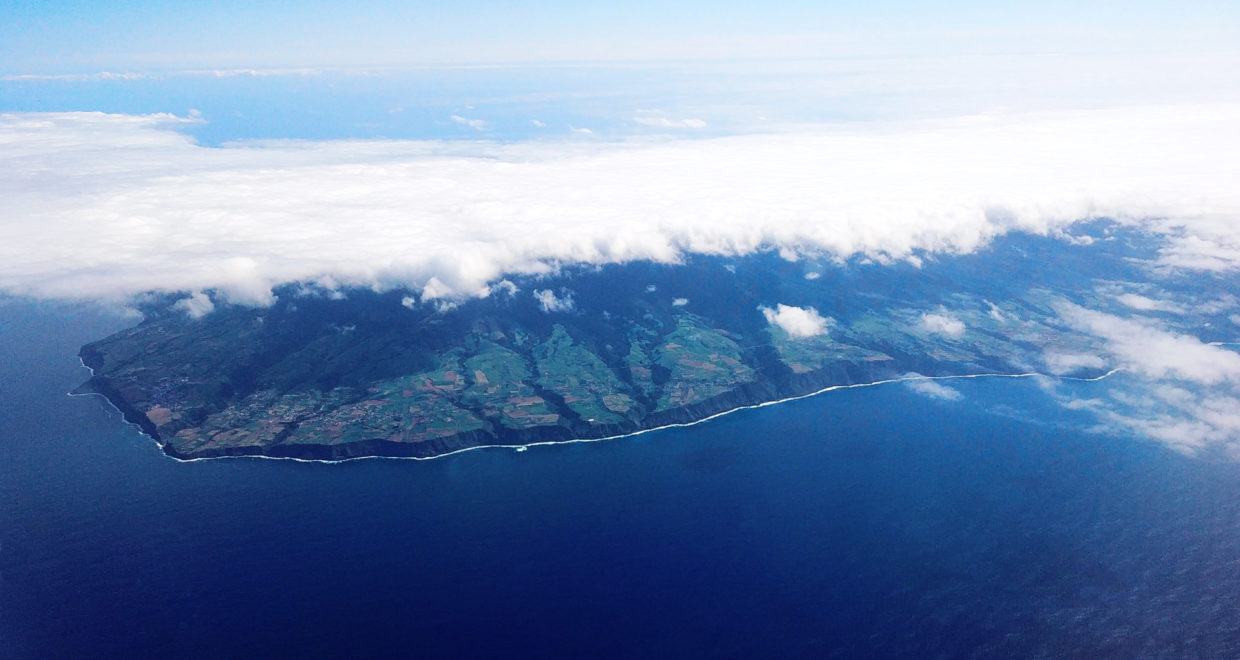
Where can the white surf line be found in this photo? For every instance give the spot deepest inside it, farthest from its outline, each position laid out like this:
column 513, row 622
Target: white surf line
column 830, row 388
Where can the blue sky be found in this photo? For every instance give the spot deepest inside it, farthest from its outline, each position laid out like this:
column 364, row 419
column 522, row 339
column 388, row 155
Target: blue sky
column 74, row 37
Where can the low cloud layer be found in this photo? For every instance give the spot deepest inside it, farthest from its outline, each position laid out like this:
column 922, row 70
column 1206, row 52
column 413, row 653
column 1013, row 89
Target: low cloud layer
column 108, row 206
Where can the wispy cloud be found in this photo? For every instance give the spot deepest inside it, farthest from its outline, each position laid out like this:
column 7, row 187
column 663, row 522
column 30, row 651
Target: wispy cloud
column 1060, row 363
column 1145, row 347
column 1144, row 304
column 934, row 390
column 665, row 122
column 476, row 124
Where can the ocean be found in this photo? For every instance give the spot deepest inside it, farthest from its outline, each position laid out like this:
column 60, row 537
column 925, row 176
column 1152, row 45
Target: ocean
column 866, row 522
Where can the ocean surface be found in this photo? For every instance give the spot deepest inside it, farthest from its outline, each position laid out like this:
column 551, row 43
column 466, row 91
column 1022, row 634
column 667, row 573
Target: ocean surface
column 862, row 522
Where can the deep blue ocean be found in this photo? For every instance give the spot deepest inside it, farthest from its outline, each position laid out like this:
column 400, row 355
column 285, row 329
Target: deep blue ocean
column 861, row 523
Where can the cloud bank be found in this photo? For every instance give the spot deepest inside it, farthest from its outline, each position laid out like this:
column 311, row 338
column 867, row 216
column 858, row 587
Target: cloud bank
column 108, row 206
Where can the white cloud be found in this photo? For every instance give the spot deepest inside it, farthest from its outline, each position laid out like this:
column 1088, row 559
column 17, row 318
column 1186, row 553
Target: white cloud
column 504, row 287
column 664, row 122
column 812, row 275
column 95, row 205
column 1211, row 244
column 1147, row 348
column 537, row 124
column 580, row 131
column 476, row 124
column 934, row 390
column 551, row 303
column 1144, row 304
column 409, row 302
column 197, row 305
column 1220, row 304
column 435, row 288
column 1190, row 422
column 942, row 324
column 1061, row 363
column 680, row 302
column 797, row 321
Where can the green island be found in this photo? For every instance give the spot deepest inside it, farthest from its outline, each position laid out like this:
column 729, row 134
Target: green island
column 332, row 375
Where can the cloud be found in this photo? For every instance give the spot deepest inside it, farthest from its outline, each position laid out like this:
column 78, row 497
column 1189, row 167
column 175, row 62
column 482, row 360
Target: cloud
column 1061, row 363
column 942, row 324
column 107, row 206
column 933, row 389
column 664, row 122
column 680, row 302
column 197, row 305
column 580, row 131
column 1173, row 388
column 537, row 124
column 1144, row 304
column 1190, row 420
column 1209, row 243
column 551, row 303
column 1143, row 346
column 797, row 321
column 476, row 124
column 504, row 287
column 1220, row 304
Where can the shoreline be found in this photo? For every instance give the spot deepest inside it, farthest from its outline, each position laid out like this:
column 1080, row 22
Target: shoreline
column 524, row 447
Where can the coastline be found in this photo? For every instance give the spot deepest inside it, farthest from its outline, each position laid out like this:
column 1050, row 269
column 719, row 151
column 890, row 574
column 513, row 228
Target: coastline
column 523, row 447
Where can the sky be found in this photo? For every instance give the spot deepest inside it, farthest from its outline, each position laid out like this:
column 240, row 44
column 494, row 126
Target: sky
column 50, row 37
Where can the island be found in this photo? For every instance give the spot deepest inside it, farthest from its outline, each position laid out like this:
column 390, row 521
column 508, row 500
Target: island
column 594, row 352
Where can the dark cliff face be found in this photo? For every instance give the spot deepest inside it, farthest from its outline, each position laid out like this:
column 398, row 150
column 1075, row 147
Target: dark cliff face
column 642, row 345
